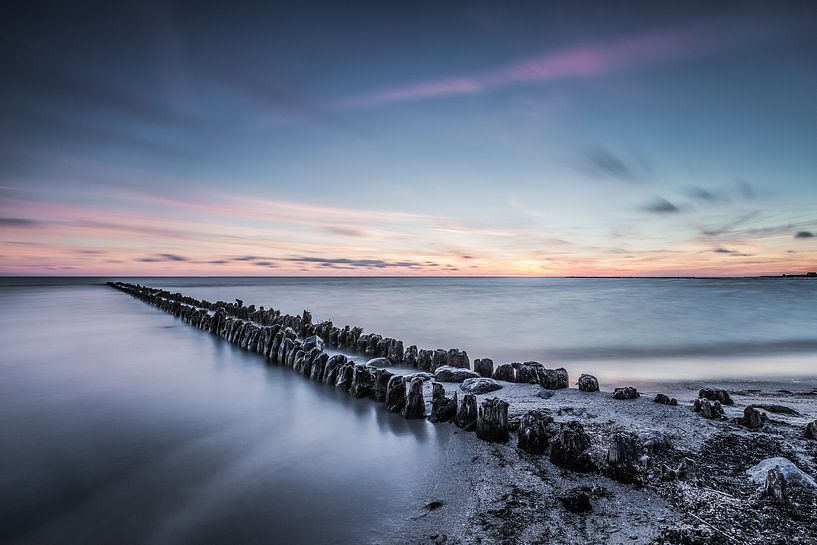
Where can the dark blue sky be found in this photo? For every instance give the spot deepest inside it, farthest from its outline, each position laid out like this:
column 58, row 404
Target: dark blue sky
column 408, row 138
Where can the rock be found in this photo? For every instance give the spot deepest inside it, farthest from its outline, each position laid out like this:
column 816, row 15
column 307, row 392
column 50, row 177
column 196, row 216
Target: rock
column 588, row 383
column 622, row 457
column 576, row 500
column 687, row 471
column 545, row 394
column 492, row 422
column 396, row 394
column 422, row 376
column 664, row 399
column 654, row 441
column 484, row 366
column 505, row 372
column 443, row 409
column 792, row 474
column 458, row 358
column 811, row 430
column 628, row 392
column 378, row 362
column 415, row 406
column 466, row 417
column 752, row 418
column 777, row 409
column 709, row 409
column 381, row 384
column 570, row 448
column 532, row 435
column 775, row 486
column 312, row 342
column 453, row 374
column 479, row 385
column 716, row 394
column 668, row 474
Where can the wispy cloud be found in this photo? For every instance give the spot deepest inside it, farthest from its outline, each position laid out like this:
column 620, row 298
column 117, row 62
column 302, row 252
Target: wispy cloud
column 602, row 163
column 585, row 61
column 660, row 205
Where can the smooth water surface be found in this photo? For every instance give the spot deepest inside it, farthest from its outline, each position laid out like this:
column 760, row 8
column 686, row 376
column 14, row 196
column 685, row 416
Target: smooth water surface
column 120, row 424
column 615, row 328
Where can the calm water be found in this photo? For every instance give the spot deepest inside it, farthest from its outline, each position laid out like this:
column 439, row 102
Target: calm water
column 121, row 425
column 618, row 329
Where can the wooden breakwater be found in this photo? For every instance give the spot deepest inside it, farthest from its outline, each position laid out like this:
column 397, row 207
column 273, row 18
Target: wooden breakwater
column 297, row 343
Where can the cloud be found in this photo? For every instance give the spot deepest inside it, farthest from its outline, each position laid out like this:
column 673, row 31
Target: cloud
column 265, row 264
column 745, row 189
column 721, row 250
column 360, row 263
column 729, row 226
column 346, row 231
column 603, row 163
column 661, row 206
column 172, row 257
column 587, row 60
column 18, row 222
column 700, row 194
column 803, row 234
column 162, row 258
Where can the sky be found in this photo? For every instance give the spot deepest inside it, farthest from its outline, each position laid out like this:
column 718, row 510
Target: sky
column 416, row 138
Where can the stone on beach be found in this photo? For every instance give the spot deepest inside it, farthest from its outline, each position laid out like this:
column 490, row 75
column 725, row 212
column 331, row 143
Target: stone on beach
column 492, row 422
column 576, row 500
column 479, row 385
column 415, row 406
column 378, row 362
column 570, row 448
column 664, row 399
column 709, row 409
column 811, row 430
column 588, row 383
column 716, row 394
column 532, row 435
column 793, row 474
column 628, row 392
column 447, row 373
column 752, row 418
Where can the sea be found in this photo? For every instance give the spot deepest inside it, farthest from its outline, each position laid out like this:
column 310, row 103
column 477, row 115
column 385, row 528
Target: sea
column 120, row 424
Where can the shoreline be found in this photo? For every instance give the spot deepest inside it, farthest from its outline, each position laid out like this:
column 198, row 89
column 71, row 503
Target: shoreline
column 515, row 496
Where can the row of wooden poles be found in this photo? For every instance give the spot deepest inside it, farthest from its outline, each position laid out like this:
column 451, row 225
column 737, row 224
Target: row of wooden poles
column 292, row 341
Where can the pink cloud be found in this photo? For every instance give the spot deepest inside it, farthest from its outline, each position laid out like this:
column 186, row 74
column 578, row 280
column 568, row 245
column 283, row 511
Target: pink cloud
column 586, row 60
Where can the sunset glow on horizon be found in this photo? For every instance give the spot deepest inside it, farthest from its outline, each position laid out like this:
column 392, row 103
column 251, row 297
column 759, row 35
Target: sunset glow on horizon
column 474, row 142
